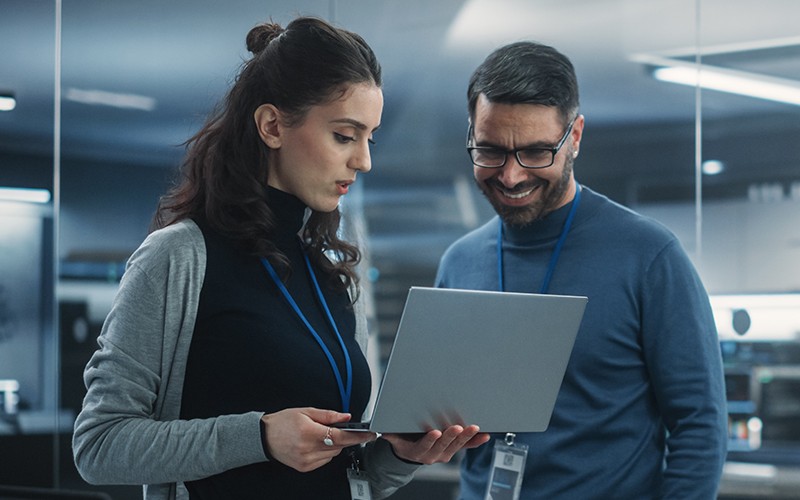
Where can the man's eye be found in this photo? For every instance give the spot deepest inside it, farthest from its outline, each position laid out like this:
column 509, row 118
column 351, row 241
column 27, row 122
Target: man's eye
column 491, row 153
column 535, row 154
column 344, row 139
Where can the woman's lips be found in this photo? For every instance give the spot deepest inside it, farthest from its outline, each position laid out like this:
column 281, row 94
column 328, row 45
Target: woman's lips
column 343, row 187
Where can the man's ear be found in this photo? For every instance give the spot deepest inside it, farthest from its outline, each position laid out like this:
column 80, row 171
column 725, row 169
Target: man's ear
column 577, row 133
column 268, row 123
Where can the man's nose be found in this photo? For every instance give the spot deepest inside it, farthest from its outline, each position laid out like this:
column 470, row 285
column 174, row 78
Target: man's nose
column 512, row 173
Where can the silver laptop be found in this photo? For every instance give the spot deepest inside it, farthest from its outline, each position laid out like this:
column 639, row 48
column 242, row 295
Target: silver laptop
column 495, row 359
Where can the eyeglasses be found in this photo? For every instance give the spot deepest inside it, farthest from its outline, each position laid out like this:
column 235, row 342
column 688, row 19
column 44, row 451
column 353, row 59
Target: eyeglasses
column 490, row 157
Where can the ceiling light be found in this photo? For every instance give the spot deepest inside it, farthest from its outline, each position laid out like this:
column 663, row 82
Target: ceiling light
column 24, row 194
column 712, row 167
column 682, row 67
column 735, row 82
column 113, row 99
column 7, row 101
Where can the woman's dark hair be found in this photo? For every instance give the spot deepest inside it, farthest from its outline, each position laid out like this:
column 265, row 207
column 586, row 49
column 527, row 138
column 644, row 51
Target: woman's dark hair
column 224, row 174
column 526, row 73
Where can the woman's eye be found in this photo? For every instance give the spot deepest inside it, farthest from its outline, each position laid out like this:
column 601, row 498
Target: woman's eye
column 343, row 138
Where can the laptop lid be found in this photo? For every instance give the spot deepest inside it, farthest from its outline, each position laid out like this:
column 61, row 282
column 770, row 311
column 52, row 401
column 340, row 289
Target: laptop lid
column 495, row 359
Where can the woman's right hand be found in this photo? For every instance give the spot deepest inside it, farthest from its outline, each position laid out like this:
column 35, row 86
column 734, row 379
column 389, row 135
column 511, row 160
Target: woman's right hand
column 295, row 437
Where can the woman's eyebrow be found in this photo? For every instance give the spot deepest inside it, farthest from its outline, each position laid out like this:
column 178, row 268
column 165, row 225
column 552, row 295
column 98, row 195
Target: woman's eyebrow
column 357, row 124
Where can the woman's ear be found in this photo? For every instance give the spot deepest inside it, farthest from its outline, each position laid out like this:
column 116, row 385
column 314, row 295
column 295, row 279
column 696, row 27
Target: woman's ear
column 268, row 123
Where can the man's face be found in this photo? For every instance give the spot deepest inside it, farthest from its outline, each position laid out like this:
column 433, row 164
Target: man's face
column 522, row 195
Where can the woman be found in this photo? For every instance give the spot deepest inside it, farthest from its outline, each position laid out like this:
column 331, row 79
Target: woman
column 234, row 343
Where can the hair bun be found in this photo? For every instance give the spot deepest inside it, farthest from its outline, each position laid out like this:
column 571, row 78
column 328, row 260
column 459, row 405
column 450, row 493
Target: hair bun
column 259, row 37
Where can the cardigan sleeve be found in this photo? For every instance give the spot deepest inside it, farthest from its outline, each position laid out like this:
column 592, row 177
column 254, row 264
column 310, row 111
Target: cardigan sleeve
column 128, row 431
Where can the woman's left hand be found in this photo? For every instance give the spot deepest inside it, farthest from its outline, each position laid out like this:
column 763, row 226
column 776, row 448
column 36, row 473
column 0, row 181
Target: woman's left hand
column 436, row 446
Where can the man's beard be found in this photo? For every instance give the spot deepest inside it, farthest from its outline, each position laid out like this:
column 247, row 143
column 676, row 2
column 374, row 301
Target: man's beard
column 537, row 209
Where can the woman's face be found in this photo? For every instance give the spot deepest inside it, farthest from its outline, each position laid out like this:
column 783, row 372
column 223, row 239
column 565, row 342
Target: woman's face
column 318, row 159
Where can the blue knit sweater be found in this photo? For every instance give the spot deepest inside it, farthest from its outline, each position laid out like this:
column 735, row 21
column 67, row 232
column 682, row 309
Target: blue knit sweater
column 641, row 412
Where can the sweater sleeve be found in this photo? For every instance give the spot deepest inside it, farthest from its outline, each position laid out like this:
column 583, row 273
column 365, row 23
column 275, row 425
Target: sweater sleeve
column 684, row 360
column 128, row 431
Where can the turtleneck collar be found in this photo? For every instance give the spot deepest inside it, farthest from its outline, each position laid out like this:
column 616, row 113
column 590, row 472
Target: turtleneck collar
column 289, row 214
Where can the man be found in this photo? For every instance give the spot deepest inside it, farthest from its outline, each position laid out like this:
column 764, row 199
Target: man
column 641, row 412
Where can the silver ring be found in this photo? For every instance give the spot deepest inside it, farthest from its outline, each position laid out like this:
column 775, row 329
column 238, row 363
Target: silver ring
column 328, row 441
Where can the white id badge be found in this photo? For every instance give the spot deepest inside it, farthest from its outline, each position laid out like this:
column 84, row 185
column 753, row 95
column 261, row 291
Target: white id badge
column 508, row 464
column 359, row 486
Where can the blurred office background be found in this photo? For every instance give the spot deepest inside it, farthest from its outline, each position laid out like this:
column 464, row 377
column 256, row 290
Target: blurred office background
column 96, row 97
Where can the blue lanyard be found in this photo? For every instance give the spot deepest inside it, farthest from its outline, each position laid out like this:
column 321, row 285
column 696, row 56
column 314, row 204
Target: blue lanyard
column 343, row 392
column 556, row 251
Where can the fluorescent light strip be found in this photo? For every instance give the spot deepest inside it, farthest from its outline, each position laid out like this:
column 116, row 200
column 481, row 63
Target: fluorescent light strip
column 25, row 195
column 731, row 48
column 113, row 99
column 748, row 84
column 7, row 103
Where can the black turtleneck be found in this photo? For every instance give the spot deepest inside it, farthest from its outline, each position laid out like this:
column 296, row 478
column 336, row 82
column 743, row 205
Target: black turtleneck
column 250, row 351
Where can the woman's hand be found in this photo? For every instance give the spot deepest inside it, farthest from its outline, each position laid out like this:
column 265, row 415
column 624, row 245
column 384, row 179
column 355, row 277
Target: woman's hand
column 296, row 437
column 436, row 446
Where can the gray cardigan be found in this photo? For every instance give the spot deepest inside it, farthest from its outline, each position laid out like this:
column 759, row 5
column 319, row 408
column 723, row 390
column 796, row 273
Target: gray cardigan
column 129, row 431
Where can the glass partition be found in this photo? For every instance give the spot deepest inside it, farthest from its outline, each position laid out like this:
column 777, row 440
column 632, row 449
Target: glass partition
column 721, row 170
column 29, row 421
column 751, row 208
column 751, row 133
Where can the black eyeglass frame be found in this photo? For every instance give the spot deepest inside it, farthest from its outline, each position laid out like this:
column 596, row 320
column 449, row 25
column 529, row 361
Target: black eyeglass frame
column 553, row 151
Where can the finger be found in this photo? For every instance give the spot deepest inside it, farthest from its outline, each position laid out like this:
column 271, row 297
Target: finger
column 462, row 440
column 428, row 441
column 338, row 439
column 344, row 439
column 422, row 448
column 450, row 435
column 326, row 416
column 451, row 441
column 478, row 440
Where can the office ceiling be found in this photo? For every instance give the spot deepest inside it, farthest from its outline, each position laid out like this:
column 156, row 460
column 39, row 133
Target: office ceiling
column 179, row 56
column 174, row 59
